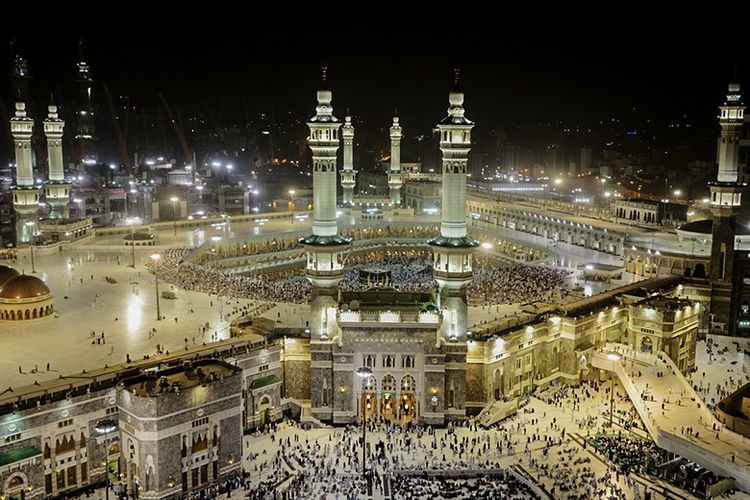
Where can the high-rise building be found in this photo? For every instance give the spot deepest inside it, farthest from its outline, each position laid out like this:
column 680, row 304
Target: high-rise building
column 85, row 134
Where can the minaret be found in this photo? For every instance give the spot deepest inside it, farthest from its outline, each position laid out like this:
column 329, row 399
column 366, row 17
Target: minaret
column 452, row 249
column 85, row 128
column 348, row 174
column 726, row 194
column 394, row 175
column 325, row 255
column 56, row 189
column 324, row 246
column 25, row 195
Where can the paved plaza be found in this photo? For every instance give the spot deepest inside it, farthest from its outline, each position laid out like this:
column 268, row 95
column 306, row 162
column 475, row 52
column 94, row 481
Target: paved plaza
column 107, row 312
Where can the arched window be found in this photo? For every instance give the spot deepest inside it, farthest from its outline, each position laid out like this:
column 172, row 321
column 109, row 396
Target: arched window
column 408, row 383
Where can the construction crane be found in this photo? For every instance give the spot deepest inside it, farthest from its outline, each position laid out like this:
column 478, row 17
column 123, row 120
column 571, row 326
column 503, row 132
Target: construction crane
column 122, row 145
column 178, row 129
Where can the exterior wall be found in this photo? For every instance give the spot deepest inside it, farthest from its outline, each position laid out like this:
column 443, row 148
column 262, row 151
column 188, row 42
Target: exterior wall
column 158, row 428
column 51, row 422
column 46, row 428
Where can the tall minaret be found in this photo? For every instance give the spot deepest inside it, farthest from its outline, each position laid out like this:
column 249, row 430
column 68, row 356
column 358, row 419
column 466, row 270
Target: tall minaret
column 25, row 195
column 325, row 256
column 452, row 249
column 726, row 195
column 394, row 175
column 324, row 246
column 56, row 189
column 348, row 174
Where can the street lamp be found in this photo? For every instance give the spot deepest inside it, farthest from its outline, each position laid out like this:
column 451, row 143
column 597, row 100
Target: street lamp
column 78, row 202
column 677, row 193
column 30, row 225
column 131, row 223
column 155, row 257
column 291, row 203
column 486, row 246
column 106, row 427
column 365, row 373
column 174, row 200
column 614, row 357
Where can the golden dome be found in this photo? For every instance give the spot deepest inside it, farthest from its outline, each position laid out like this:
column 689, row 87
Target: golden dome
column 7, row 273
column 23, row 287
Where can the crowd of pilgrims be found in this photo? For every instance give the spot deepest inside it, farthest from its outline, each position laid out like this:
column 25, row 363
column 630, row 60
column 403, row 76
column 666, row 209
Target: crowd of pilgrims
column 330, row 466
column 514, row 283
column 410, row 271
column 502, row 485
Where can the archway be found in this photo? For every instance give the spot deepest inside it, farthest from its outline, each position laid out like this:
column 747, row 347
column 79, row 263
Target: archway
column 369, row 394
column 699, row 271
column 647, row 345
column 388, row 408
column 14, row 487
column 408, row 400
column 497, row 383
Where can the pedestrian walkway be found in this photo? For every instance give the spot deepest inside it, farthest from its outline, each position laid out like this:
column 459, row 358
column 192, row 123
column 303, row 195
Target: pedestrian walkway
column 675, row 416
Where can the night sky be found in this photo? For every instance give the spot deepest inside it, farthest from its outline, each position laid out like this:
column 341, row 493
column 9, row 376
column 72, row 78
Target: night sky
column 515, row 72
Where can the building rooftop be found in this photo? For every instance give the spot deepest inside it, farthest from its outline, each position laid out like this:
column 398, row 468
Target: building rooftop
column 23, row 287
column 179, row 378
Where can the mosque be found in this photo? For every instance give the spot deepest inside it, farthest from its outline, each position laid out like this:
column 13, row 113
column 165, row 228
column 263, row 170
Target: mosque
column 374, row 352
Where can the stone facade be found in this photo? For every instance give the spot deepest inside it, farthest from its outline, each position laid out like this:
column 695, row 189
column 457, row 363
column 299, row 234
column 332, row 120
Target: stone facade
column 182, row 411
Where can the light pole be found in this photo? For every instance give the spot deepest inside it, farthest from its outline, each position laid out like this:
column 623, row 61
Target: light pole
column 677, row 193
column 614, row 357
column 174, row 201
column 291, row 203
column 155, row 257
column 365, row 373
column 30, row 225
column 78, row 202
column 131, row 223
column 106, row 427
column 486, row 246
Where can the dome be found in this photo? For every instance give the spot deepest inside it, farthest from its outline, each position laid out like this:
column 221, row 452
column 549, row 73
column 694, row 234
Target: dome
column 23, row 287
column 7, row 273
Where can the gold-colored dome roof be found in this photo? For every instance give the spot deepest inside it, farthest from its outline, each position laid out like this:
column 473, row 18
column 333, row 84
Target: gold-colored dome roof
column 23, row 287
column 7, row 273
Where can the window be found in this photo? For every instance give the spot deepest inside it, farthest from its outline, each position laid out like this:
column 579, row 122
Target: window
column 369, row 360
column 12, row 437
column 262, row 368
column 200, row 421
column 407, row 361
column 65, row 423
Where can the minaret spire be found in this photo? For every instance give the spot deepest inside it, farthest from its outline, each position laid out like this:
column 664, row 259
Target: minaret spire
column 395, row 180
column 453, row 248
column 25, row 194
column 57, row 190
column 324, row 247
column 725, row 204
column 348, row 174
